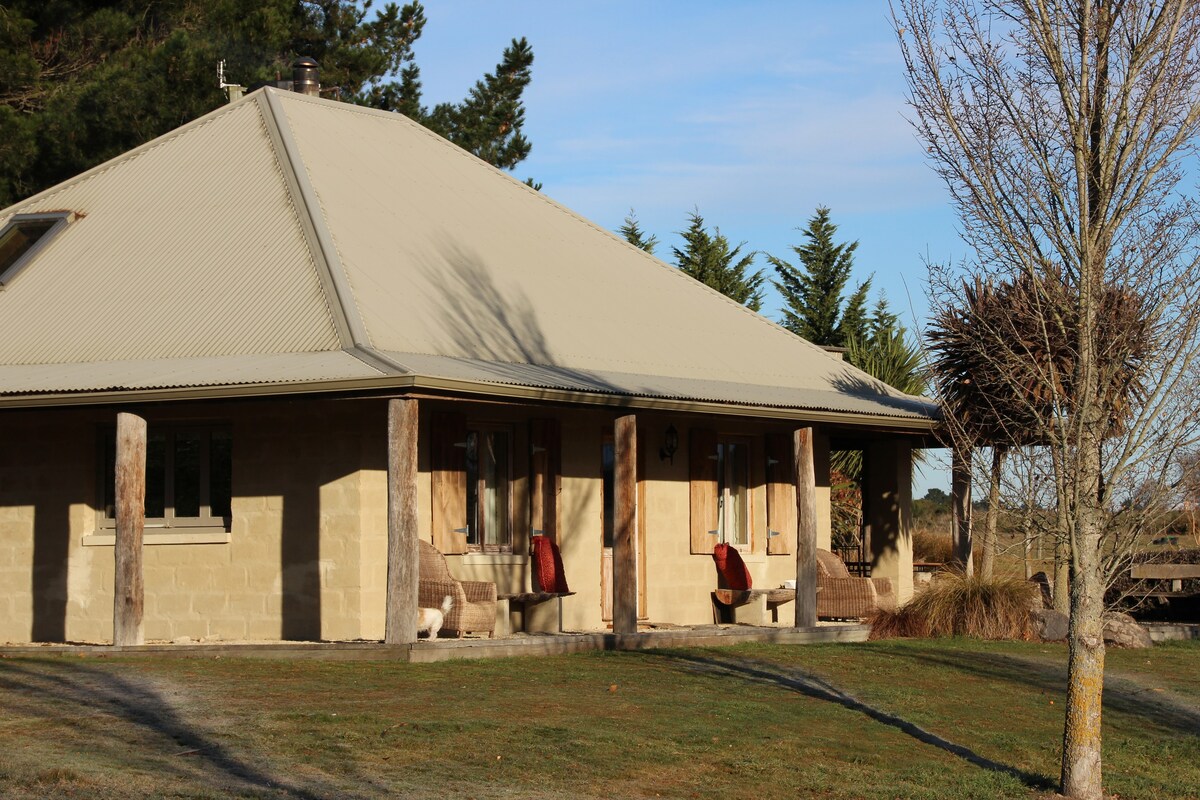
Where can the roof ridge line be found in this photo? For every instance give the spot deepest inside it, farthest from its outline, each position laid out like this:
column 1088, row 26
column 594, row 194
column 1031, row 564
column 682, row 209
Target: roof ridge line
column 377, row 360
column 339, row 296
column 562, row 208
column 121, row 158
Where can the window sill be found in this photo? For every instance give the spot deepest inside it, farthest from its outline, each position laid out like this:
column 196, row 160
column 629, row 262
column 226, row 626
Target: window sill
column 177, row 536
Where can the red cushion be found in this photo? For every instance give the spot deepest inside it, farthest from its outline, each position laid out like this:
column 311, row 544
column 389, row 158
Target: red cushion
column 732, row 568
column 548, row 566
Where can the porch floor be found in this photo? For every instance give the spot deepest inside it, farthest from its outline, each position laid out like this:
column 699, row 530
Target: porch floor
column 427, row 651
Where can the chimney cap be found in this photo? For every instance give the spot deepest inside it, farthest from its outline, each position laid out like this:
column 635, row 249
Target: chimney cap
column 306, row 76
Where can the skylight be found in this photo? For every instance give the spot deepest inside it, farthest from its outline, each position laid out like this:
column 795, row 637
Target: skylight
column 24, row 236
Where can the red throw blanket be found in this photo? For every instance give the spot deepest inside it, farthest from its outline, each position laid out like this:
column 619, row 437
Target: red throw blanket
column 548, row 565
column 732, row 568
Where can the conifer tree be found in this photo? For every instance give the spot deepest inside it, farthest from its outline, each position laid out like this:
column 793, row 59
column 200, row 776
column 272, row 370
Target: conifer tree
column 488, row 122
column 708, row 258
column 854, row 324
column 812, row 290
column 632, row 232
column 83, row 82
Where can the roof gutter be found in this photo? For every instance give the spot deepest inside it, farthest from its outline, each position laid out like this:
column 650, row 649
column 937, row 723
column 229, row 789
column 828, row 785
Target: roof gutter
column 465, row 387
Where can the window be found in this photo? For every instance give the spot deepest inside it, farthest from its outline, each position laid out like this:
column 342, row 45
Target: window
column 188, row 476
column 489, row 489
column 719, row 475
column 733, row 491
column 23, row 236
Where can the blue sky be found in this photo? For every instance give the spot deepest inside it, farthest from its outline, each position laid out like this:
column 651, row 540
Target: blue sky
column 753, row 112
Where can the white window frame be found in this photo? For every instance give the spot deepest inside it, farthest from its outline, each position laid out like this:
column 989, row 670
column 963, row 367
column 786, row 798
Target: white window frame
column 61, row 220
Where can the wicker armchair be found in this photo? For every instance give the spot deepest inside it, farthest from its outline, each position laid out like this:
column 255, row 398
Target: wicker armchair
column 474, row 606
column 843, row 596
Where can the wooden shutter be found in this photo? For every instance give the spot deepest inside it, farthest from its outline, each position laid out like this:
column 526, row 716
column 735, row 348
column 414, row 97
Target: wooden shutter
column 545, row 459
column 448, row 462
column 702, row 473
column 781, row 494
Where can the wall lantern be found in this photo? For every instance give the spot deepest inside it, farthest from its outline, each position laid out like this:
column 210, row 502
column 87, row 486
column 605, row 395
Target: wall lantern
column 670, row 445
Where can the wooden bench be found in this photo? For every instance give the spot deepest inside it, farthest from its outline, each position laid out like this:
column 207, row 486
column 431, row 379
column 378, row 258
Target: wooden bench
column 1175, row 573
column 749, row 606
column 540, row 612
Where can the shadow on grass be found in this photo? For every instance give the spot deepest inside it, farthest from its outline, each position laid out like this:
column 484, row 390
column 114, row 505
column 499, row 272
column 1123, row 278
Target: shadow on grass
column 819, row 689
column 1121, row 695
column 60, row 690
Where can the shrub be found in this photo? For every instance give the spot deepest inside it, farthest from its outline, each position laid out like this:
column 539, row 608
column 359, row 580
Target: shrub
column 955, row 605
column 931, row 546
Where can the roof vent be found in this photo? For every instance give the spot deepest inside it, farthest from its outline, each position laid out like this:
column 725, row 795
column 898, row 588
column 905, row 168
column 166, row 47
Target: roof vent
column 306, row 76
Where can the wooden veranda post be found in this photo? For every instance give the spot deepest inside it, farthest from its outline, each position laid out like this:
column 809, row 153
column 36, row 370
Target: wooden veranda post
column 625, row 527
column 806, row 529
column 130, row 492
column 400, row 625
column 960, row 502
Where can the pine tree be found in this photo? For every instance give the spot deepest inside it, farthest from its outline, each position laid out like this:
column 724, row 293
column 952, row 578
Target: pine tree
column 709, row 259
column 632, row 233
column 812, row 290
column 854, row 324
column 83, row 82
column 488, row 123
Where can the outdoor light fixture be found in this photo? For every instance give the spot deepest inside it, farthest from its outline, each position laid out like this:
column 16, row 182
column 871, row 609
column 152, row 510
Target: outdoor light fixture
column 670, row 445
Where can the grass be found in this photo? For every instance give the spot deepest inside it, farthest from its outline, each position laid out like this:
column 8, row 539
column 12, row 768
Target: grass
column 897, row 719
column 954, row 604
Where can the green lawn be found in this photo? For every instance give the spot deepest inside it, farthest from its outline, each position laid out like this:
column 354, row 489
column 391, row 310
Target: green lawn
column 949, row 719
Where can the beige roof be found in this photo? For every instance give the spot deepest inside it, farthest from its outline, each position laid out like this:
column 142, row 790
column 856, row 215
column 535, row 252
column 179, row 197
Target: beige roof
column 289, row 240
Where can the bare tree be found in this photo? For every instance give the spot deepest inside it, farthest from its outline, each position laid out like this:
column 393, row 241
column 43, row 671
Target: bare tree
column 1061, row 130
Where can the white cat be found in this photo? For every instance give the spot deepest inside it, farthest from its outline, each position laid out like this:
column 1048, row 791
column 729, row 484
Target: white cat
column 430, row 620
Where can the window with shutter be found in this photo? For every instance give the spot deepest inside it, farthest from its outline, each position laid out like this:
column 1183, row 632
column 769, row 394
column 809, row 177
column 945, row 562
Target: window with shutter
column 781, row 494
column 702, row 468
column 720, row 490
column 545, row 458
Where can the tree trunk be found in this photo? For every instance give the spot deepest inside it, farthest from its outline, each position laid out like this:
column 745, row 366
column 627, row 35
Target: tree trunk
column 1081, row 769
column 1062, row 574
column 987, row 563
column 1026, row 538
column 960, row 503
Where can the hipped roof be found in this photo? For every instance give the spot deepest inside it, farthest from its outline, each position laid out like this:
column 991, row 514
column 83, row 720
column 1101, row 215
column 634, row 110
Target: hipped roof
column 289, row 243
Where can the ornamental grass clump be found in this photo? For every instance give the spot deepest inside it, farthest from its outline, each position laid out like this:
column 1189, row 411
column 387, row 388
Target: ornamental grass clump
column 957, row 605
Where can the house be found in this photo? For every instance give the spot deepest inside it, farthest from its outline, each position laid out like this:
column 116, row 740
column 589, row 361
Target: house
column 290, row 294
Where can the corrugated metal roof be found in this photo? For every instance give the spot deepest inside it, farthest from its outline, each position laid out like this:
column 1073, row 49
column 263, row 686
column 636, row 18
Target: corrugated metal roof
column 855, row 398
column 189, row 246
column 256, row 244
column 231, row 370
column 469, row 263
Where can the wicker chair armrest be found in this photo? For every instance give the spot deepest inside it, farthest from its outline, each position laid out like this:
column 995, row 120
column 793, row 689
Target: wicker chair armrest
column 846, row 598
column 479, row 591
column 430, row 594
